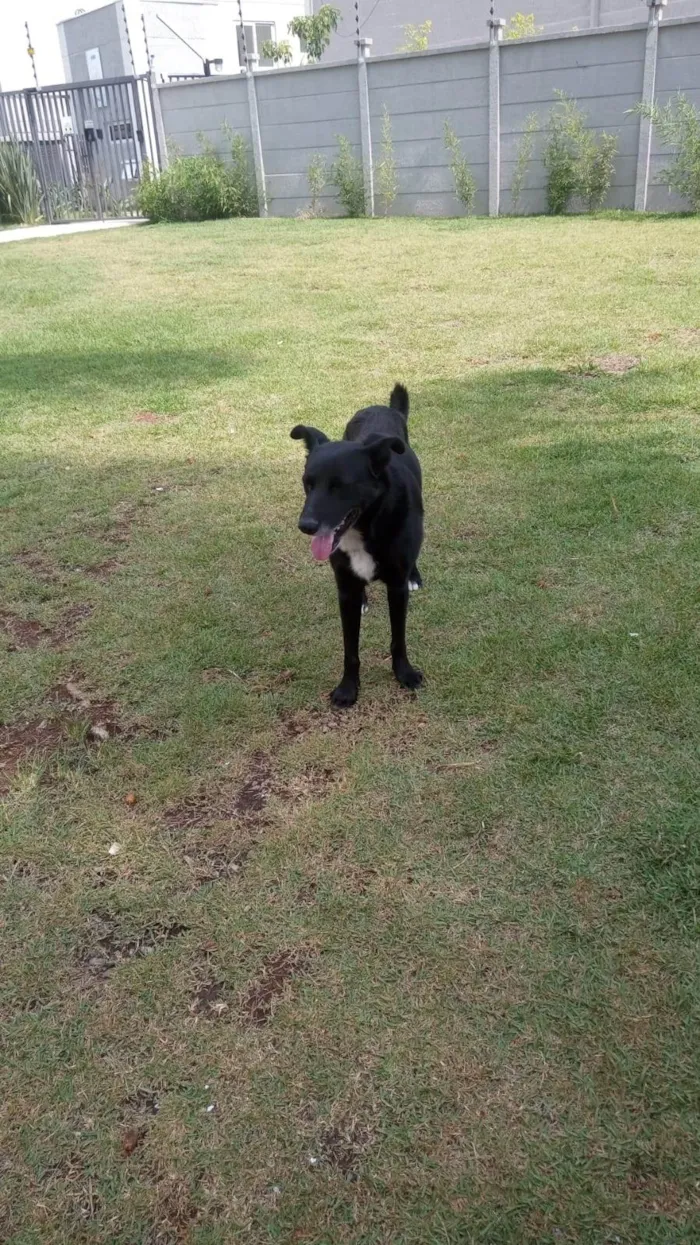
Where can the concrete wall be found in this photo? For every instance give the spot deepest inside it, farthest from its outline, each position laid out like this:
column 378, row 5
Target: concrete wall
column 191, row 109
column 678, row 69
column 602, row 71
column 420, row 93
column 459, row 21
column 302, row 111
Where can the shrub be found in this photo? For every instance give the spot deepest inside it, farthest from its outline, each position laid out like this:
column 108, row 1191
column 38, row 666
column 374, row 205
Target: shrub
column 387, row 173
column 577, row 161
column 200, row 187
column 347, row 175
column 416, row 38
column 317, row 177
column 243, row 190
column 523, row 158
column 678, row 124
column 20, row 193
column 465, row 183
column 522, row 25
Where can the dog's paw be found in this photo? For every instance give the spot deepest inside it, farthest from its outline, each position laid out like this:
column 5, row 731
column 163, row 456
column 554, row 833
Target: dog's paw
column 414, row 585
column 345, row 694
column 409, row 676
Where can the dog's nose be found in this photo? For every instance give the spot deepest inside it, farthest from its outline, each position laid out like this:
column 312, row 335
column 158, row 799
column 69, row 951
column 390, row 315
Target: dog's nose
column 308, row 526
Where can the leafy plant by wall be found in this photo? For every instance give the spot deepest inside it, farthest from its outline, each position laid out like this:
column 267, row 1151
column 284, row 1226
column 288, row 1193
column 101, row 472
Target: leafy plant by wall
column 522, row 160
column 200, row 187
column 20, row 194
column 464, row 180
column 317, row 177
column 347, row 175
column 578, row 162
column 387, row 171
column 678, row 125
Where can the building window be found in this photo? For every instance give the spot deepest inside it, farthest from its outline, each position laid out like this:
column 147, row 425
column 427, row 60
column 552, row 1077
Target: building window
column 256, row 33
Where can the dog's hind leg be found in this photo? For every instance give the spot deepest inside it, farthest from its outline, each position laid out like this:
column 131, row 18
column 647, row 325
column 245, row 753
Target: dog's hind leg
column 407, row 675
column 415, row 580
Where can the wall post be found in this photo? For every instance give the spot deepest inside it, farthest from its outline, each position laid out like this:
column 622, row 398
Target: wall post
column 363, row 47
column 496, row 25
column 255, row 134
column 648, row 92
column 161, row 142
column 595, row 14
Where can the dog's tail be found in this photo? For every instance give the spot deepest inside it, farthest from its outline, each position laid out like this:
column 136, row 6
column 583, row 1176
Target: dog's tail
column 399, row 399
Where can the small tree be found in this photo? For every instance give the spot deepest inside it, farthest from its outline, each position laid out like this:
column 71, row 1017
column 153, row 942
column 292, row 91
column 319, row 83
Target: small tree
column 577, row 161
column 315, row 32
column 522, row 25
column 678, row 124
column 416, row 38
column 317, row 177
column 278, row 53
column 387, row 172
column 465, row 183
column 523, row 158
column 348, row 176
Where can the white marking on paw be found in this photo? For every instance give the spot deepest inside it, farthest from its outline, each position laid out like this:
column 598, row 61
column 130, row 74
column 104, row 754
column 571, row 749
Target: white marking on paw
column 365, row 607
column 361, row 562
column 413, row 586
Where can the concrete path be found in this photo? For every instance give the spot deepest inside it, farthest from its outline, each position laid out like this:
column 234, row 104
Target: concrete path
column 25, row 232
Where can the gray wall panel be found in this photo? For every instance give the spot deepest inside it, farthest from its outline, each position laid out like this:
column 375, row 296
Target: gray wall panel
column 303, row 112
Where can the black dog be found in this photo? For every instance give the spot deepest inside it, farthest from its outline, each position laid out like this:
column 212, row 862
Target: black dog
column 364, row 510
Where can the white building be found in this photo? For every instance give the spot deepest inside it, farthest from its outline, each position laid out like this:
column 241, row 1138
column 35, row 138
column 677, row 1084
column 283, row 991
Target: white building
column 184, row 37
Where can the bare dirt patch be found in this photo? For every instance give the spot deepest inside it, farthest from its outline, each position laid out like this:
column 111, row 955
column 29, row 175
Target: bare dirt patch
column 244, row 802
column 29, row 633
column 209, row 999
column 22, row 632
column 144, row 1101
column 26, row 741
column 102, row 571
column 615, row 364
column 212, row 862
column 38, row 565
column 341, row 1145
column 277, row 971
column 108, row 947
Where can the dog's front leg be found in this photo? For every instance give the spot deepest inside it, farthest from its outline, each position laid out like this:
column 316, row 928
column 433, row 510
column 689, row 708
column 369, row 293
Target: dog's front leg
column 407, row 675
column 350, row 597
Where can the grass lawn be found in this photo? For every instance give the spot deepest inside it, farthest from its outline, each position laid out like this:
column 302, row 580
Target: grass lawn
column 425, row 972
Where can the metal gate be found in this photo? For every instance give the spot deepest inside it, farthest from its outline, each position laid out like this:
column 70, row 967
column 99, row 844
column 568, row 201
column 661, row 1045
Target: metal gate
column 88, row 143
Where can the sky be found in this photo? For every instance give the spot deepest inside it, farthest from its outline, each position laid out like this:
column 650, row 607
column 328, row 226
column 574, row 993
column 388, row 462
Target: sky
column 42, row 15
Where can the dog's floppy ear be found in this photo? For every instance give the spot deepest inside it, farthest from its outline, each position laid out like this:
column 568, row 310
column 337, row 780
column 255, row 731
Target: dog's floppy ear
column 310, row 436
column 380, row 449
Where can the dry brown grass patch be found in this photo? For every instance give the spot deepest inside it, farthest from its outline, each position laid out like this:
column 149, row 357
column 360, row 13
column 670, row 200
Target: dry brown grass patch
column 277, row 971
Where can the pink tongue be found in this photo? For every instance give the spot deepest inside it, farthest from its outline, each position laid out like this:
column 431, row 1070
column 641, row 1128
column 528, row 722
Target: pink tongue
column 322, row 545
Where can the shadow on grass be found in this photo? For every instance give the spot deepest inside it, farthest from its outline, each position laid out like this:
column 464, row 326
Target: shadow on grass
column 82, row 371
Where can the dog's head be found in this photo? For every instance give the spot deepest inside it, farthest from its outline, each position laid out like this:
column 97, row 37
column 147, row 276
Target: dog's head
column 341, row 480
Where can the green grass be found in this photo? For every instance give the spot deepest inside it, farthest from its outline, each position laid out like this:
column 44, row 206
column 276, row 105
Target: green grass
column 443, row 946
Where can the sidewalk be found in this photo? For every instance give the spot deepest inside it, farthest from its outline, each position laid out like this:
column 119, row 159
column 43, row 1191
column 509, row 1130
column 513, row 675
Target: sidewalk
column 23, row 233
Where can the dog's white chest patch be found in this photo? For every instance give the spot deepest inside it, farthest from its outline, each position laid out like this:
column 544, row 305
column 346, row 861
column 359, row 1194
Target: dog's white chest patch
column 362, row 563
